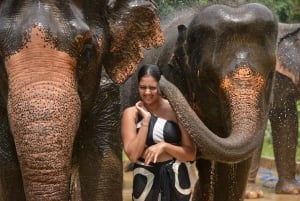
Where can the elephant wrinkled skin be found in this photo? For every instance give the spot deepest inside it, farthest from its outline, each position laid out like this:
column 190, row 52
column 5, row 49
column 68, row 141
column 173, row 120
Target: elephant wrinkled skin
column 283, row 114
column 56, row 119
column 221, row 58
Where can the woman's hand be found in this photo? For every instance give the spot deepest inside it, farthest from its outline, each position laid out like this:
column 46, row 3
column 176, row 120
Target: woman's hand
column 143, row 111
column 152, row 153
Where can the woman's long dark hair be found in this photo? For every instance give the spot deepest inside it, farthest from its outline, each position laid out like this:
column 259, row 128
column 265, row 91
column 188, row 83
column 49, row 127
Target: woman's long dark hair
column 149, row 69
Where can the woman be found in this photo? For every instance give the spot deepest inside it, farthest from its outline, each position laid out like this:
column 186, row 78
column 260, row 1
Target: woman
column 157, row 143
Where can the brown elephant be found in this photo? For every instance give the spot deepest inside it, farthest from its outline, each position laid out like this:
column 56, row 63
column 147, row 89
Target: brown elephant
column 55, row 117
column 221, row 58
column 283, row 115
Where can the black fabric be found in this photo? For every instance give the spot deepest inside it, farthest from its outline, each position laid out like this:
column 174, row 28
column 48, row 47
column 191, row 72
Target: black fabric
column 150, row 140
column 171, row 132
column 164, row 182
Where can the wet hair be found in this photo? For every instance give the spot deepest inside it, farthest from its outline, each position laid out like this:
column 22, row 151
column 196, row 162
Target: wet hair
column 151, row 70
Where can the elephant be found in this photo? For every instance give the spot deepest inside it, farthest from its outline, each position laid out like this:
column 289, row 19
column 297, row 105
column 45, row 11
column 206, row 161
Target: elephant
column 59, row 113
column 283, row 115
column 217, row 64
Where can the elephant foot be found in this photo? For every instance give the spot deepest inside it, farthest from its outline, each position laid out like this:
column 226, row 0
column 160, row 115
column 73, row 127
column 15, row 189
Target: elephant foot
column 253, row 191
column 287, row 187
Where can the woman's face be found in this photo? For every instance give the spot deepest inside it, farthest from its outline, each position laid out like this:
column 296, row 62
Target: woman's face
column 148, row 90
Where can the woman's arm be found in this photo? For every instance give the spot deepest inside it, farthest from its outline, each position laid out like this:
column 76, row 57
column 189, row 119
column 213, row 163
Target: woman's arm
column 185, row 152
column 134, row 143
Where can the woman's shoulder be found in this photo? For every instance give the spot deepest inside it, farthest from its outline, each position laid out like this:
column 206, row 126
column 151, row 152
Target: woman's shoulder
column 167, row 105
column 130, row 110
column 169, row 112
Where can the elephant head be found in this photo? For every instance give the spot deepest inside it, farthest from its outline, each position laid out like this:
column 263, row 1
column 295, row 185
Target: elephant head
column 226, row 57
column 51, row 54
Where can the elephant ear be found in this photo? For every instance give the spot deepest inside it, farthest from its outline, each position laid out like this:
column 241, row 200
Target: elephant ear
column 133, row 25
column 177, row 71
column 288, row 51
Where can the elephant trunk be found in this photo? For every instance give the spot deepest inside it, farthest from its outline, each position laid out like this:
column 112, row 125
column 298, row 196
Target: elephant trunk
column 44, row 131
column 44, row 113
column 243, row 91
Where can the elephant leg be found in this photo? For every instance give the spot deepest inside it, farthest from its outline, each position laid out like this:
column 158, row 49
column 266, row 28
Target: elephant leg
column 101, row 175
column 100, row 158
column 202, row 189
column 11, row 185
column 284, row 125
column 253, row 190
column 231, row 180
column 221, row 182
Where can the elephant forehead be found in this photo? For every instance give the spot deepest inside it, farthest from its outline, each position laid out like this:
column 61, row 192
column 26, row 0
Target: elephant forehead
column 38, row 41
column 39, row 57
column 63, row 26
column 56, row 16
column 217, row 15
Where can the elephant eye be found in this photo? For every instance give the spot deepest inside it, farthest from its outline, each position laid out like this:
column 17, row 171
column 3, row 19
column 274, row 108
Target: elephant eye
column 87, row 49
column 87, row 57
column 87, row 53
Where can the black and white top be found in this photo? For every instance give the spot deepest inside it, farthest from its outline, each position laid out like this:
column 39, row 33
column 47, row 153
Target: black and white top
column 162, row 130
column 161, row 181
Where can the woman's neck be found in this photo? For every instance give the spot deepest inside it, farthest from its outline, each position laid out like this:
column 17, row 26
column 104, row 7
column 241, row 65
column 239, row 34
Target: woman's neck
column 155, row 107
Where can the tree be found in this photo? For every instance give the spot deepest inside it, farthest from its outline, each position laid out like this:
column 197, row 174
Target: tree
column 288, row 11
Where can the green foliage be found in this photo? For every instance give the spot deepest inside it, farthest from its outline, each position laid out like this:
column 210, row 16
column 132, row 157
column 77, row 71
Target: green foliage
column 288, row 11
column 167, row 7
column 203, row 2
column 268, row 145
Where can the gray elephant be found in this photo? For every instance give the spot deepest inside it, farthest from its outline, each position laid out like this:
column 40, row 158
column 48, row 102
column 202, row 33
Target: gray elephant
column 56, row 119
column 283, row 114
column 221, row 59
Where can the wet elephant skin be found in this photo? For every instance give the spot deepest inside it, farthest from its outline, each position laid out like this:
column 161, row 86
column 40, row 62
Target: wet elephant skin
column 222, row 61
column 283, row 114
column 58, row 117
